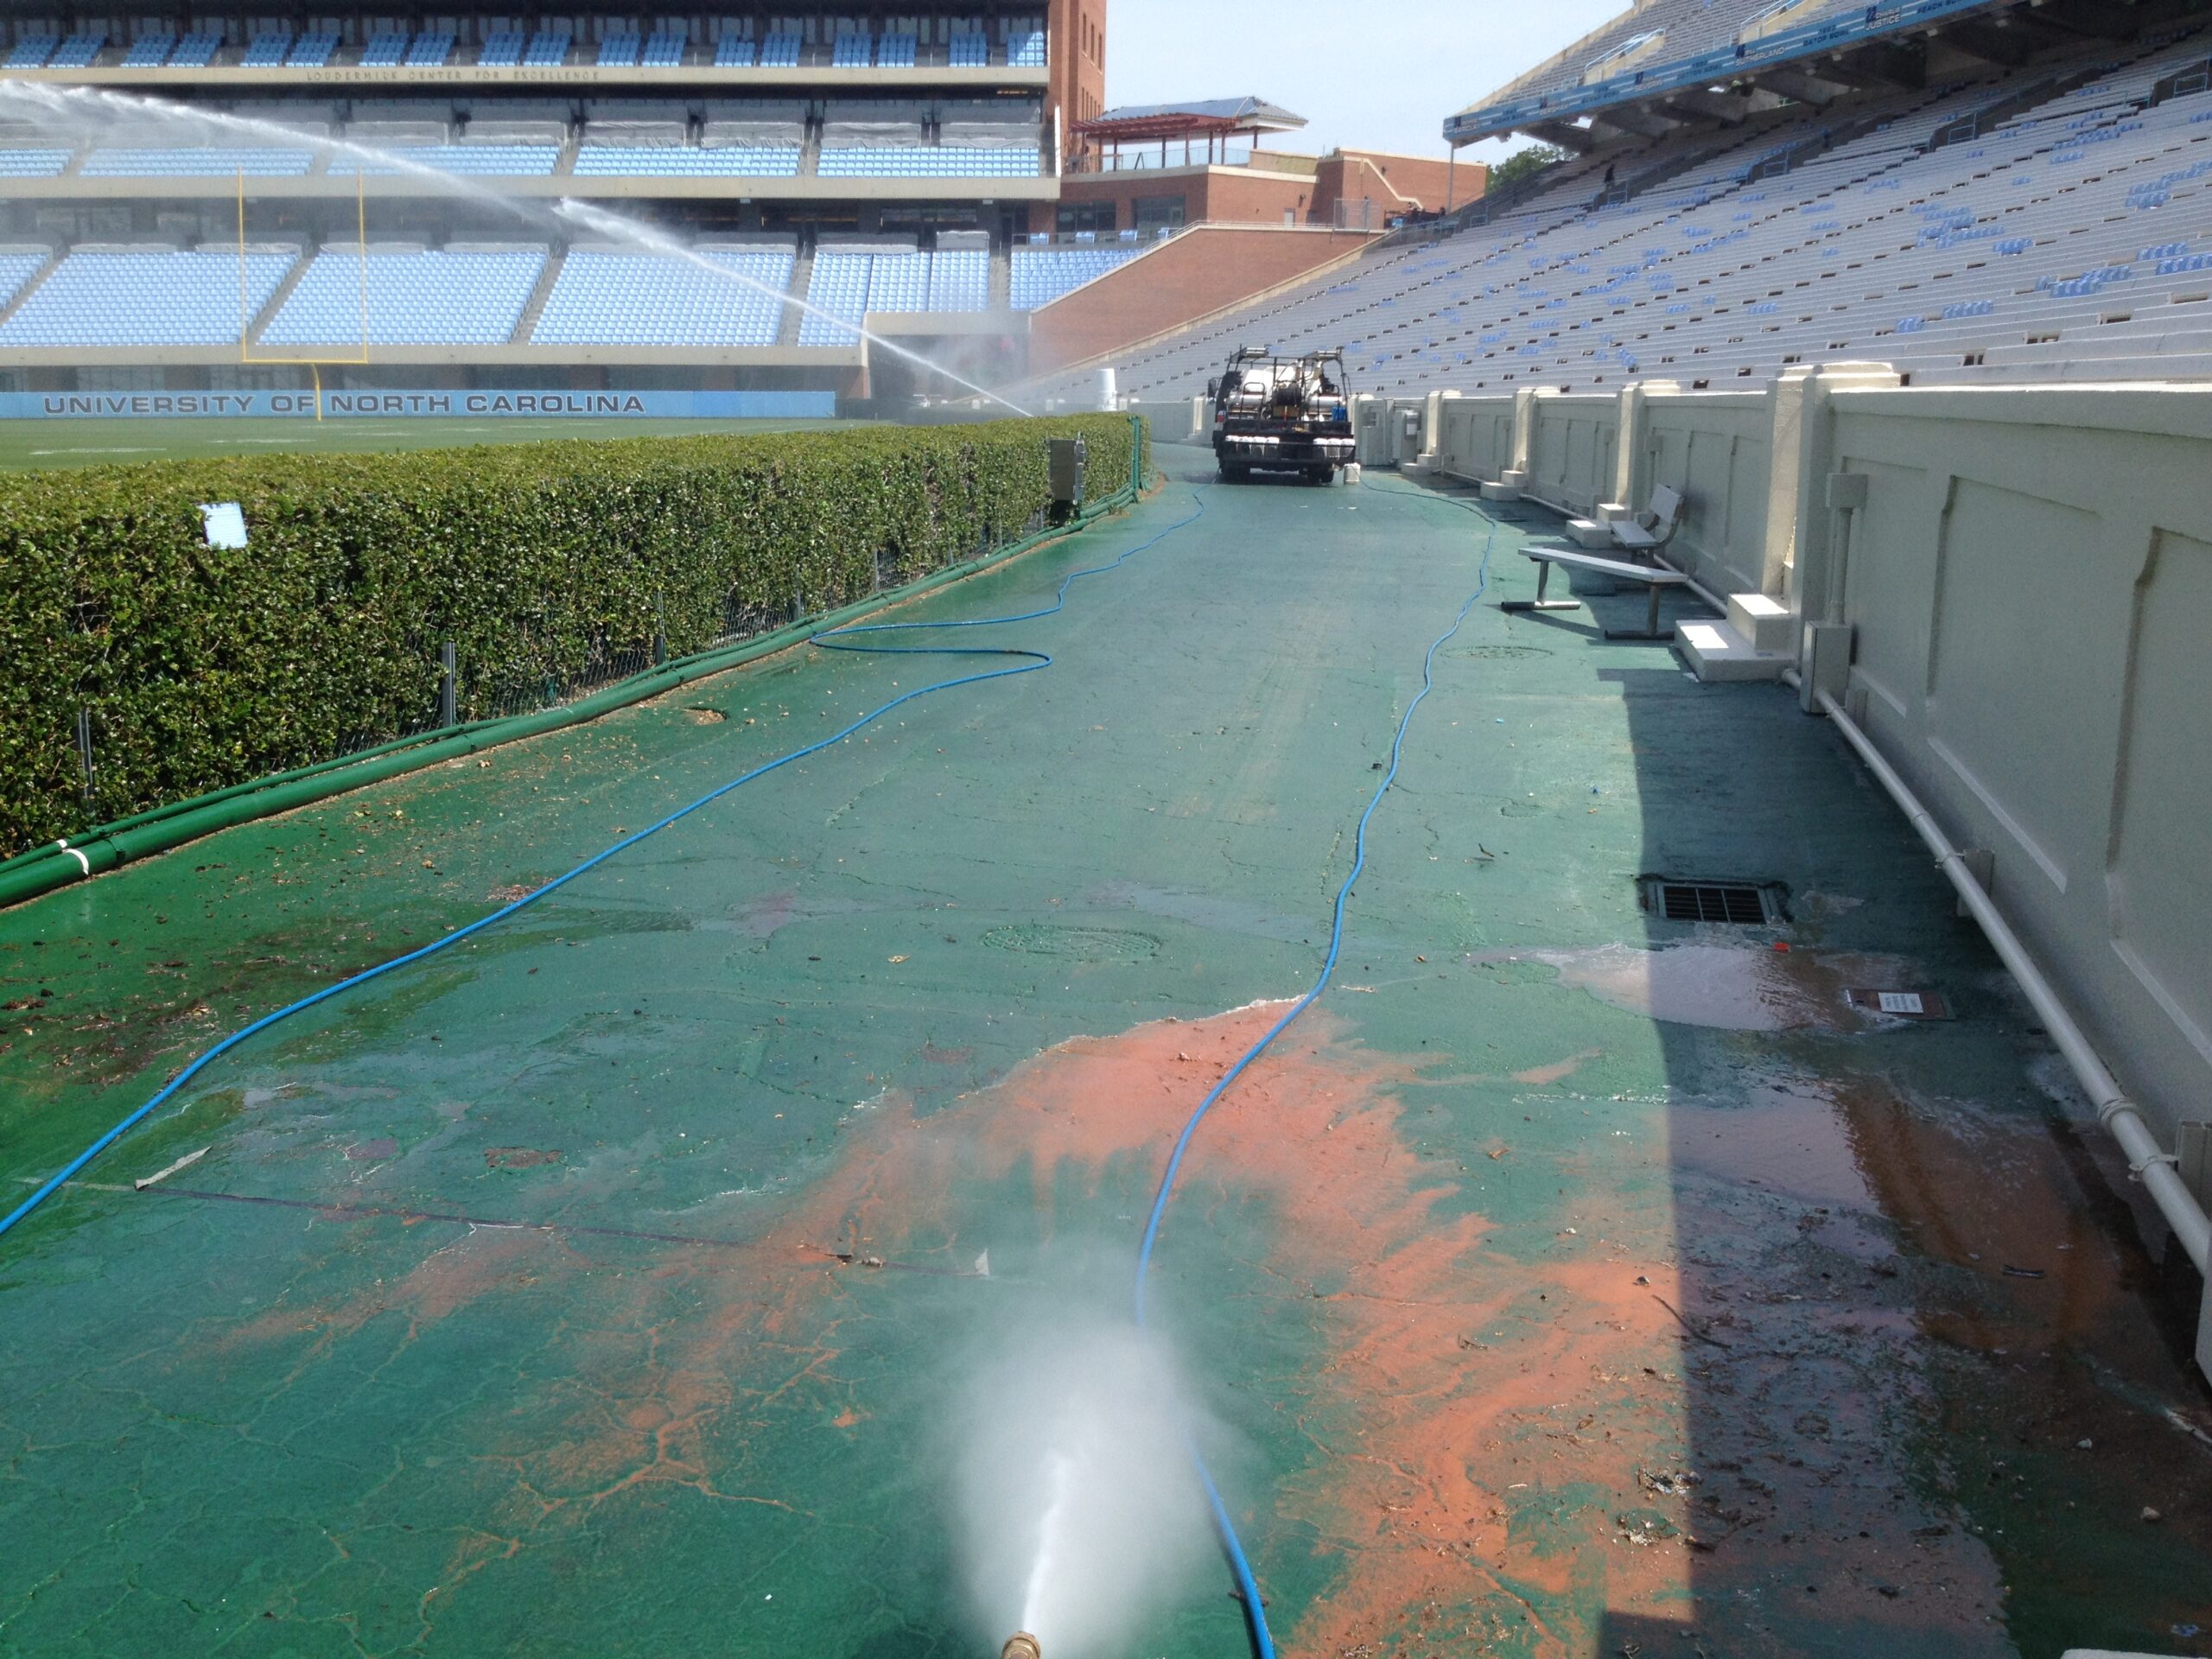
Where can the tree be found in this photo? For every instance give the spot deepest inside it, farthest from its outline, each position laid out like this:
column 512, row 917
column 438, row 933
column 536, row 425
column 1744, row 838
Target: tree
column 1523, row 163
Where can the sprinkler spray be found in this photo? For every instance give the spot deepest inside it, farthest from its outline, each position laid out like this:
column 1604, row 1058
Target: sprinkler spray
column 1021, row 1645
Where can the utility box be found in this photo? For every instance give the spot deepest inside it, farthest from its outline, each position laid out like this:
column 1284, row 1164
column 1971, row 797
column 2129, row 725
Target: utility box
column 1067, row 459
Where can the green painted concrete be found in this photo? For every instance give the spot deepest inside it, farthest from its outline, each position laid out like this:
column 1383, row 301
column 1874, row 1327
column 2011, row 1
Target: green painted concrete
column 341, row 1422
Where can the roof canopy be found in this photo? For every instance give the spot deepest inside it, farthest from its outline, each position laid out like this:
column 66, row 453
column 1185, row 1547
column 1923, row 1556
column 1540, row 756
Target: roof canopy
column 1147, row 122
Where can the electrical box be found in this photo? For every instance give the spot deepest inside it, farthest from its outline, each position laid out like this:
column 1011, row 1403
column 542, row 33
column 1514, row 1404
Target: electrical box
column 1067, row 460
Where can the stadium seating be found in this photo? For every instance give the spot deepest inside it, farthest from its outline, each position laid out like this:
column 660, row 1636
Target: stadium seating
column 687, row 161
column 385, row 49
column 1043, row 275
column 78, row 51
column 197, row 49
column 413, row 297
column 618, row 50
column 733, row 52
column 32, row 163
column 851, row 52
column 17, row 266
column 2027, row 249
column 836, row 294
column 1026, row 51
column 431, row 49
column 970, row 51
column 313, row 49
column 149, row 51
column 106, row 297
column 960, row 280
column 548, row 49
column 606, row 297
column 926, row 162
column 663, row 49
column 192, row 163
column 267, row 50
column 779, row 52
column 30, row 52
column 502, row 48
column 849, row 281
column 896, row 51
column 523, row 161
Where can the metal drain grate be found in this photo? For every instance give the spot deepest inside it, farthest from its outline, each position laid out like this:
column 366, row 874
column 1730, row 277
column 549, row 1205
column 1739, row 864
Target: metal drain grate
column 1734, row 904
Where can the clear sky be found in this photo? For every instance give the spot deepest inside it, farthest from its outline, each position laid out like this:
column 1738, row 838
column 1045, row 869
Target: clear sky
column 1373, row 74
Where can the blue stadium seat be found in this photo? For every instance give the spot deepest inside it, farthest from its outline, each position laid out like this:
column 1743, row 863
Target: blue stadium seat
column 527, row 161
column 733, row 52
column 548, row 49
column 386, row 49
column 1026, row 51
column 896, row 51
column 779, row 52
column 78, row 51
column 971, row 51
column 149, row 51
column 618, row 50
column 607, row 297
column 267, row 50
column 430, row 50
column 687, row 161
column 502, row 48
column 32, row 163
column 1043, row 275
column 927, row 162
column 413, row 298
column 197, row 163
column 98, row 298
column 31, row 52
column 196, row 49
column 15, row 269
column 663, row 50
column 851, row 52
column 313, row 49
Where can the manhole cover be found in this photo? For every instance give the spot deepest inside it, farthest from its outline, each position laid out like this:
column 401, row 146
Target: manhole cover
column 1083, row 944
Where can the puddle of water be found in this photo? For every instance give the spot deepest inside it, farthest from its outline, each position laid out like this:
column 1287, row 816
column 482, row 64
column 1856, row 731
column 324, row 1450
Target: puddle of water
column 1724, row 987
column 1793, row 1142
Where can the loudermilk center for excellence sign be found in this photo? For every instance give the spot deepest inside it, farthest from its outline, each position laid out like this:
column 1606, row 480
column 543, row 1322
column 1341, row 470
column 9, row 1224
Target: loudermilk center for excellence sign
column 359, row 405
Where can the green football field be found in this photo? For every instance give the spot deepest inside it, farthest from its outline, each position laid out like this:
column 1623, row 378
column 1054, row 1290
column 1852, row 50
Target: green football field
column 29, row 445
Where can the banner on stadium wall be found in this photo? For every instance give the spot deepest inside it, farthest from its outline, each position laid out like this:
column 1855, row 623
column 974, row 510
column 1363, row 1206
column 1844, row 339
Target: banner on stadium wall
column 385, row 405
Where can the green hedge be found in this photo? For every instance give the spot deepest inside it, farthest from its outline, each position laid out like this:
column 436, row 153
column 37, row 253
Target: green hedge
column 542, row 563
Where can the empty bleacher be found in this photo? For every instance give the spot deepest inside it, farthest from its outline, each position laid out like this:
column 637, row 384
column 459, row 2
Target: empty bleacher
column 852, row 277
column 165, row 161
column 896, row 141
column 2053, row 241
column 606, row 295
column 18, row 266
column 410, row 296
column 1043, row 275
column 122, row 295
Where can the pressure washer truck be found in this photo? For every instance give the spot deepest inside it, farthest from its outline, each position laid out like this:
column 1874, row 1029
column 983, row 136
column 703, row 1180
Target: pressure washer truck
column 1287, row 414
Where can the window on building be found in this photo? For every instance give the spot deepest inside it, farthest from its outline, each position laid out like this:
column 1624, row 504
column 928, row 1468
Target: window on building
column 1085, row 216
column 1158, row 212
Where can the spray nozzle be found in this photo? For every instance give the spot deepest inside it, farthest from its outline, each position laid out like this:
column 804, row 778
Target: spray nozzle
column 1021, row 1645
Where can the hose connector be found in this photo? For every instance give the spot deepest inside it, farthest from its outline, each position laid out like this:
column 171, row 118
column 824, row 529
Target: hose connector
column 1021, row 1645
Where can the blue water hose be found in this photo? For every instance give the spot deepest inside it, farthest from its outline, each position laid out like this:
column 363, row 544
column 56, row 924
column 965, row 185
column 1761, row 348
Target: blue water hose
column 1263, row 1645
column 1028, row 662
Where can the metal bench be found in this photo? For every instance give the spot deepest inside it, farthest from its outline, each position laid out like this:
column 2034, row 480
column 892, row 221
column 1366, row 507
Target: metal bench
column 1654, row 576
